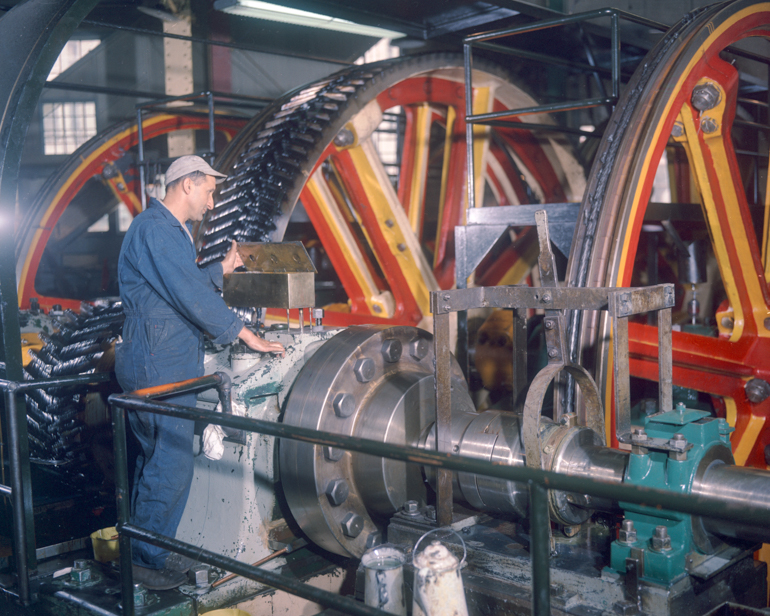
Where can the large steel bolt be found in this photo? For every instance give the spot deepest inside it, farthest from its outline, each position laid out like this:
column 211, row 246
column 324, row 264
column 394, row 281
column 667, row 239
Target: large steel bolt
column 333, row 454
column 373, row 539
column 364, row 369
column 80, row 576
column 627, row 533
column 677, row 130
column 709, row 125
column 199, row 575
column 344, row 405
column 337, row 491
column 678, row 441
column 391, row 350
column 705, row 96
column 660, row 541
column 412, row 507
column 757, row 390
column 344, row 138
column 419, row 348
column 352, row 525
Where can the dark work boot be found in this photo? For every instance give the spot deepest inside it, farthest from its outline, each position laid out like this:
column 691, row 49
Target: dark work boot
column 177, row 562
column 158, row 579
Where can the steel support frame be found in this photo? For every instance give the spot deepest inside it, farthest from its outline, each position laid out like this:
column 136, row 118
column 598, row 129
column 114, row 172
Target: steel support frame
column 20, row 490
column 620, row 303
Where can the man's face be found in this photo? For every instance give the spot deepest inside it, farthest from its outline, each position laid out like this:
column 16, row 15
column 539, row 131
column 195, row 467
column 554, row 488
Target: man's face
column 200, row 198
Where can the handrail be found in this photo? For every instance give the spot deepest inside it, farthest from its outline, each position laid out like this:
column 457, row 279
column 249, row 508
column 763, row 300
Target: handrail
column 20, row 490
column 539, row 482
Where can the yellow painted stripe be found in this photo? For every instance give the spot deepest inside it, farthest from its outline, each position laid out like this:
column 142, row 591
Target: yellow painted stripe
column 384, row 203
column 451, row 117
column 748, row 439
column 482, row 103
column 698, row 166
column 420, row 167
column 319, row 189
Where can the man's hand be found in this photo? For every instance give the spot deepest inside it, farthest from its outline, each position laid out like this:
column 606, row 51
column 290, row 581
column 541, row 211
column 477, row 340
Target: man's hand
column 232, row 260
column 251, row 340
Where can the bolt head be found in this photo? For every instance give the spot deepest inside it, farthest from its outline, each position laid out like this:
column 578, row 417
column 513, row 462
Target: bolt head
column 80, row 576
column 757, row 390
column 419, row 348
column 344, row 405
column 199, row 575
column 411, row 507
column 708, row 125
column 549, row 324
column 727, row 322
column 430, row 512
column 373, row 539
column 660, row 541
column 401, row 247
column 344, row 138
column 677, row 130
column 546, row 298
column 571, row 531
column 767, row 323
column 389, row 223
column 705, row 96
column 553, row 353
column 337, row 491
column 391, row 350
column 352, row 525
column 678, row 441
column 333, row 454
column 627, row 536
column 364, row 369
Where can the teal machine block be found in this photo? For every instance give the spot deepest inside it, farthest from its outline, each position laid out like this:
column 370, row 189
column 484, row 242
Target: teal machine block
column 665, row 454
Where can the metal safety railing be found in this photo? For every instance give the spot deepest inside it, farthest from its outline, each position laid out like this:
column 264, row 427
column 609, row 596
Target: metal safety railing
column 20, row 490
column 539, row 482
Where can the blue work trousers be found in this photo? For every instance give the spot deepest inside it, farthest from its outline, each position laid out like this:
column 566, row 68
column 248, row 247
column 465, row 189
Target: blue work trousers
column 164, row 472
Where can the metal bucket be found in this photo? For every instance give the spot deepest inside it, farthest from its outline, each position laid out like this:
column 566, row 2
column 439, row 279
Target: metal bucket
column 384, row 588
column 438, row 584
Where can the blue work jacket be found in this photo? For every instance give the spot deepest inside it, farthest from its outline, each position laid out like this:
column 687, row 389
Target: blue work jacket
column 169, row 303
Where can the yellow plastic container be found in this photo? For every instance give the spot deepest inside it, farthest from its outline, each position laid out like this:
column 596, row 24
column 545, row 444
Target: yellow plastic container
column 105, row 544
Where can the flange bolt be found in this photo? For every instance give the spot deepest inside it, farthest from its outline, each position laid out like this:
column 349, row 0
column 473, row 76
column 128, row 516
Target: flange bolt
column 391, row 350
column 364, row 369
column 352, row 525
column 705, row 96
column 627, row 533
column 412, row 507
column 419, row 348
column 344, row 405
column 660, row 541
column 337, row 491
column 757, row 390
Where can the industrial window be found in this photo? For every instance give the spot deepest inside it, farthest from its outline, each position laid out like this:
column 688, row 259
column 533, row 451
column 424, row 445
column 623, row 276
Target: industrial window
column 67, row 125
column 72, row 52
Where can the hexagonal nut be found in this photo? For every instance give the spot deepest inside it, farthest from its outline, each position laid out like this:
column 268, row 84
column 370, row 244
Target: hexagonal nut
column 627, row 536
column 705, row 96
column 80, row 576
column 678, row 441
column 199, row 575
column 757, row 390
column 373, row 539
column 391, row 350
column 344, row 404
column 419, row 348
column 660, row 540
column 364, row 369
column 352, row 525
column 337, row 491
column 411, row 507
column 333, row 454
column 344, row 138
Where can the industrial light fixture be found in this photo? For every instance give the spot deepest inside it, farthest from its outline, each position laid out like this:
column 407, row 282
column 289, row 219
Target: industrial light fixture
column 284, row 14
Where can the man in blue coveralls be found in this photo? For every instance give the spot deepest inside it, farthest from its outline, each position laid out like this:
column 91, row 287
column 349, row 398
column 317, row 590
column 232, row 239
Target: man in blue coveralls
column 169, row 304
